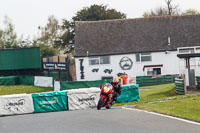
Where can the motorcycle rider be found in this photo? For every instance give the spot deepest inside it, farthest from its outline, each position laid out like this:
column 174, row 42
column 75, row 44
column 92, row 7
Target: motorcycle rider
column 117, row 89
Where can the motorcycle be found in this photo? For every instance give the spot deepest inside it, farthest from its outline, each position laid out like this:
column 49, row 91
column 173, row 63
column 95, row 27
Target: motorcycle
column 106, row 96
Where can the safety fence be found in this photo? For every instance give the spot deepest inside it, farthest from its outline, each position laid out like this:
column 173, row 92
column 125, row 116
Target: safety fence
column 73, row 99
column 27, row 80
column 64, row 85
column 49, row 82
column 155, row 80
column 180, row 86
column 198, row 81
column 55, row 75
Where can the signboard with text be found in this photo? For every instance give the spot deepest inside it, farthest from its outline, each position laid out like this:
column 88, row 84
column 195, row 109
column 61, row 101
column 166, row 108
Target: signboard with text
column 54, row 66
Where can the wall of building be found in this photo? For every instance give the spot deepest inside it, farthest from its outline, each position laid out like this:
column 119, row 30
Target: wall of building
column 169, row 61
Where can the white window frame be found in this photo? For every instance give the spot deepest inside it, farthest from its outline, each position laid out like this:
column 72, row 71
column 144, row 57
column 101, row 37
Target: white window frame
column 94, row 58
column 99, row 60
column 194, row 49
column 143, row 55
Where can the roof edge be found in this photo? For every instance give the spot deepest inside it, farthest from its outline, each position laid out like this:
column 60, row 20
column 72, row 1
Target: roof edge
column 124, row 53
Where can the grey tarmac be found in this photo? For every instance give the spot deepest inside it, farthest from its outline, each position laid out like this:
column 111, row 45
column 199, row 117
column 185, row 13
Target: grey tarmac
column 114, row 120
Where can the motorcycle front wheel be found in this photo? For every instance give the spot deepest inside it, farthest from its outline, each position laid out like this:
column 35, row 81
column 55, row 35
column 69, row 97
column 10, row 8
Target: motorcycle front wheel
column 100, row 103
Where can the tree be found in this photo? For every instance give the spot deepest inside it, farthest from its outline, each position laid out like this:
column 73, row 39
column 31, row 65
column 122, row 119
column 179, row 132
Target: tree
column 8, row 37
column 45, row 50
column 171, row 9
column 163, row 11
column 160, row 11
column 92, row 13
column 48, row 36
column 25, row 43
column 97, row 12
column 49, row 33
column 190, row 12
column 67, row 35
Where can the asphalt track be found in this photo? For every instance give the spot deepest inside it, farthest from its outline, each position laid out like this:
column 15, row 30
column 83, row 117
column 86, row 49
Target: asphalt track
column 115, row 120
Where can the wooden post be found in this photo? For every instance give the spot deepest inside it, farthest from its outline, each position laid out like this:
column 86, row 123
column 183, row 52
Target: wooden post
column 188, row 67
column 59, row 62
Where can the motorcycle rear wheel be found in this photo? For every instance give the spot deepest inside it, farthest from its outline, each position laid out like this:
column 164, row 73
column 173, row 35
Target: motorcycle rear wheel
column 100, row 103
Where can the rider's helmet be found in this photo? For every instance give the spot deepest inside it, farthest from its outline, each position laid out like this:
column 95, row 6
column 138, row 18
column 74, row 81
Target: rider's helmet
column 115, row 82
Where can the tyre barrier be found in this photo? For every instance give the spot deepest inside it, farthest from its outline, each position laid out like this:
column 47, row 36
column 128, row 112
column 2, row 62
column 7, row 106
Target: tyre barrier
column 74, row 99
column 180, row 84
column 198, row 81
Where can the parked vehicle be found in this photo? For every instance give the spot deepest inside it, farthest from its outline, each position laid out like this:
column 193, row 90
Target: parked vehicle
column 106, row 96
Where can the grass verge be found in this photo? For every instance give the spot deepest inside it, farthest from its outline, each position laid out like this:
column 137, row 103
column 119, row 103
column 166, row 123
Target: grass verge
column 19, row 89
column 163, row 99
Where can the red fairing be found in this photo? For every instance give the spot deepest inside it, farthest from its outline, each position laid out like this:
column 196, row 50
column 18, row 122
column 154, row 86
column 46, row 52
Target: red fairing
column 106, row 92
column 107, row 88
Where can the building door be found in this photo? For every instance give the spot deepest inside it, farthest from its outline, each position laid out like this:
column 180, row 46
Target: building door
column 192, row 77
column 157, row 71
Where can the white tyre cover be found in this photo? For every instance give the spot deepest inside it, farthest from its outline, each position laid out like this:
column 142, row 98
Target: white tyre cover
column 56, row 86
column 83, row 98
column 43, row 81
column 16, row 104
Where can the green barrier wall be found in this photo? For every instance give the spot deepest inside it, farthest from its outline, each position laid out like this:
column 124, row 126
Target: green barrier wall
column 55, row 75
column 24, row 58
column 198, row 81
column 129, row 93
column 9, row 80
column 155, row 80
column 82, row 84
column 50, row 102
column 26, row 80
column 17, row 80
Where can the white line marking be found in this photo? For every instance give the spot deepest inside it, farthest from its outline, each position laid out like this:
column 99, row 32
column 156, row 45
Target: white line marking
column 184, row 120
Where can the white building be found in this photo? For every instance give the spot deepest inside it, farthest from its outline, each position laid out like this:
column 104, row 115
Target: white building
column 144, row 46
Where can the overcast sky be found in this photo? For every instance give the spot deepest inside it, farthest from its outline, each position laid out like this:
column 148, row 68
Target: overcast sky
column 27, row 15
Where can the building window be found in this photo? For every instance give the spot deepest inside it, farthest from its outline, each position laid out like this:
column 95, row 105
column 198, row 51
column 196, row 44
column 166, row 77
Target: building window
column 154, row 71
column 93, row 61
column 99, row 60
column 186, row 50
column 142, row 57
column 105, row 60
column 198, row 50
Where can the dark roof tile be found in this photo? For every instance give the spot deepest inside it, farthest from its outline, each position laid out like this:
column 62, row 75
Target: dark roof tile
column 110, row 37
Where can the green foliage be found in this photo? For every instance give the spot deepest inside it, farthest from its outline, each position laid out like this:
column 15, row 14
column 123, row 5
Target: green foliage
column 48, row 36
column 25, row 43
column 170, row 9
column 8, row 37
column 49, row 33
column 45, row 50
column 97, row 12
column 190, row 12
column 67, row 37
column 92, row 13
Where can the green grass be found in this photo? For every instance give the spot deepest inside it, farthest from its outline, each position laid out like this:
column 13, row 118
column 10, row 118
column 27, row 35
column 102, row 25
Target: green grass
column 163, row 99
column 19, row 89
